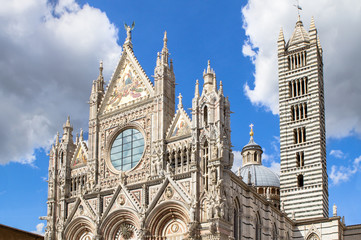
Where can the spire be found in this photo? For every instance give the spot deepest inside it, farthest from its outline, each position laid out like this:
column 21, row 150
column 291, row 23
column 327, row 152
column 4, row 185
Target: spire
column 312, row 25
column 171, row 65
column 165, row 53
column 196, row 93
column 165, row 40
column 101, row 68
column 209, row 78
column 158, row 59
column 67, row 135
column 57, row 139
column 180, row 104
column 67, row 124
column 220, row 87
column 300, row 37
column 281, row 36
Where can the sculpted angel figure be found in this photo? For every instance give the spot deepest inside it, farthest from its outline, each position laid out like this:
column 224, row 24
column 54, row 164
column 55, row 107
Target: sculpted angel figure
column 129, row 31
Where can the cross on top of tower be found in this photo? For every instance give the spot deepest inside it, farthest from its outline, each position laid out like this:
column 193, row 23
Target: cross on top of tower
column 298, row 7
column 251, row 133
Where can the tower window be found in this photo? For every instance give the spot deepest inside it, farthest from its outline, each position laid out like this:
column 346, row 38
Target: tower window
column 298, row 87
column 300, row 180
column 299, row 135
column 299, row 111
column 297, row 60
column 300, row 159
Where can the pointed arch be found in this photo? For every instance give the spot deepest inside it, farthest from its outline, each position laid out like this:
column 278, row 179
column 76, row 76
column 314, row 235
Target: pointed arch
column 80, row 229
column 237, row 222
column 258, row 227
column 169, row 219
column 118, row 221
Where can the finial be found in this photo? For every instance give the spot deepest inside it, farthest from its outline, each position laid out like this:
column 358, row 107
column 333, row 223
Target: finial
column 220, row 87
column 196, row 94
column 171, row 65
column 180, row 104
column 209, row 66
column 312, row 25
column 165, row 39
column 57, row 138
column 251, row 133
column 77, row 138
column 158, row 59
column 101, row 67
column 280, row 36
column 81, row 134
column 298, row 9
column 68, row 121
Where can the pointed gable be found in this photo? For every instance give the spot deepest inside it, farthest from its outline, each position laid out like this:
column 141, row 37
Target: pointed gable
column 80, row 157
column 181, row 124
column 129, row 84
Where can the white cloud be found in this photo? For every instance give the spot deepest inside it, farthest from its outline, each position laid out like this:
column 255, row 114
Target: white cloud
column 336, row 22
column 276, row 167
column 341, row 174
column 49, row 57
column 39, row 229
column 337, row 154
column 237, row 161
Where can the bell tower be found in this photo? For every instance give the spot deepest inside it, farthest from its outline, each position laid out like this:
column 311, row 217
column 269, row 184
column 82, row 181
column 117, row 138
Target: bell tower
column 304, row 181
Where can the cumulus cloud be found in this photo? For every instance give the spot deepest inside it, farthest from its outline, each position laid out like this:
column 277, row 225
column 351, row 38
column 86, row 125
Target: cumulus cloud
column 337, row 154
column 49, row 57
column 341, row 174
column 336, row 22
column 39, row 229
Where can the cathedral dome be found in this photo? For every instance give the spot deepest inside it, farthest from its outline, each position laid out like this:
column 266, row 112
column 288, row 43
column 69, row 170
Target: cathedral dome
column 253, row 172
column 260, row 176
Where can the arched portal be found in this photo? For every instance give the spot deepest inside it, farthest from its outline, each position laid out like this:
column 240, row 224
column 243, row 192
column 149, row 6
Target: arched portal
column 80, row 229
column 168, row 221
column 121, row 224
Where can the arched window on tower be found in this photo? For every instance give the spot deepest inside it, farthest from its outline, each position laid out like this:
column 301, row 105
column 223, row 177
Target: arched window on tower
column 205, row 116
column 300, row 180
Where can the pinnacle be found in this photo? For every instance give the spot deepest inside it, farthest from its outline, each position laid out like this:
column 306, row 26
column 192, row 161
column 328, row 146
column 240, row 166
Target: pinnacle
column 312, row 25
column 280, row 36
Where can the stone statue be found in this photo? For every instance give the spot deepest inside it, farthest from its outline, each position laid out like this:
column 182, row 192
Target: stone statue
column 334, row 210
column 282, row 206
column 129, row 31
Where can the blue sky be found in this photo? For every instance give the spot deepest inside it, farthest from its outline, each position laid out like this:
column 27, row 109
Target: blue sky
column 51, row 52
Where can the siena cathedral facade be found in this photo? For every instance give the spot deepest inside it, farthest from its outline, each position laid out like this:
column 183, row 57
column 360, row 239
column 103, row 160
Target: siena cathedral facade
column 151, row 171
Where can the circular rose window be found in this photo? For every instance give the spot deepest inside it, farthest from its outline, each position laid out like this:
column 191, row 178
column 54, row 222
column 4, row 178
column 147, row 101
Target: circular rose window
column 127, row 149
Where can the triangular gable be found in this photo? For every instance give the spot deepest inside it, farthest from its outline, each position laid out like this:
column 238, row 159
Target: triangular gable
column 180, row 126
column 169, row 189
column 129, row 84
column 80, row 157
column 81, row 208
